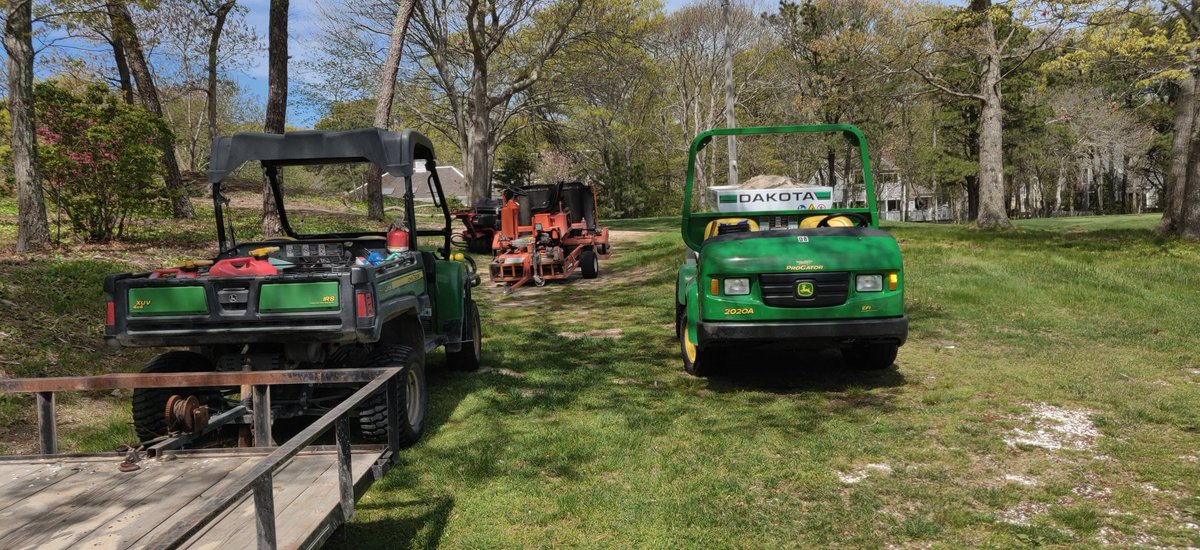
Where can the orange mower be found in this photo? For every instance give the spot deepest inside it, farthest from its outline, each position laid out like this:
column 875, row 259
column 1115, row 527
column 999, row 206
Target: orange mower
column 546, row 233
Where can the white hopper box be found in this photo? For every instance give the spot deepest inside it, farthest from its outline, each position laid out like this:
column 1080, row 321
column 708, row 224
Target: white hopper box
column 731, row 198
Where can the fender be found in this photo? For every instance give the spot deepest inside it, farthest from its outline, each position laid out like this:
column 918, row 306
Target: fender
column 692, row 304
column 687, row 274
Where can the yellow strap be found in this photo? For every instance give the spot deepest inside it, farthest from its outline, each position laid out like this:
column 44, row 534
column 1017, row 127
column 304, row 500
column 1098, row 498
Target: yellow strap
column 714, row 227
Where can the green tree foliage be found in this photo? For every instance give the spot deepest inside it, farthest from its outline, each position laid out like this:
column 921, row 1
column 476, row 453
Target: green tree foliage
column 99, row 158
column 517, row 163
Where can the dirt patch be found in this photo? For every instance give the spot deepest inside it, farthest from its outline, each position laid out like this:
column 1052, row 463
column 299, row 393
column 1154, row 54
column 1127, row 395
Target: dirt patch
column 1022, row 513
column 860, row 474
column 1020, row 480
column 1055, row 428
column 611, row 333
column 622, row 237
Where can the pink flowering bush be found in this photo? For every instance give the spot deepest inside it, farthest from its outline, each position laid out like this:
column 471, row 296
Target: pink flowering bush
column 99, row 158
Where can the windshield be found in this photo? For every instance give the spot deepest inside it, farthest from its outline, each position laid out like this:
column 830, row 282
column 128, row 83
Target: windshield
column 315, row 207
column 779, row 172
column 777, row 178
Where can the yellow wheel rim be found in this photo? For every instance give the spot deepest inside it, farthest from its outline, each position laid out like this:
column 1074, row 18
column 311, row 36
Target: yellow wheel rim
column 689, row 348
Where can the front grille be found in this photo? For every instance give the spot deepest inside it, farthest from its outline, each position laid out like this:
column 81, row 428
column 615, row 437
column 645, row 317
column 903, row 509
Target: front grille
column 830, row 288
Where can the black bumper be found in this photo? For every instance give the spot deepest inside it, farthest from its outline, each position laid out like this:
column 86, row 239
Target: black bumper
column 805, row 334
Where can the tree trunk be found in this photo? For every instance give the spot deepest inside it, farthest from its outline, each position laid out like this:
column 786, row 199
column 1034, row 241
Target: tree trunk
column 383, row 103
column 1189, row 206
column 1182, row 122
column 122, row 68
column 277, row 85
column 1059, row 182
column 214, row 41
column 478, row 169
column 122, row 27
column 972, row 185
column 32, row 233
column 991, row 135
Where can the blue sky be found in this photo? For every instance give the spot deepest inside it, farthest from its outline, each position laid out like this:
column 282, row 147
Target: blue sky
column 304, row 21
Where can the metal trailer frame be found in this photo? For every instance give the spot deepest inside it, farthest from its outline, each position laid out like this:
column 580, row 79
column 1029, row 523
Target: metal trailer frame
column 259, row 479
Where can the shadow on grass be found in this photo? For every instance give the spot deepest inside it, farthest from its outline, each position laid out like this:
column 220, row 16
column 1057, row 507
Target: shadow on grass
column 797, row 372
column 421, row 524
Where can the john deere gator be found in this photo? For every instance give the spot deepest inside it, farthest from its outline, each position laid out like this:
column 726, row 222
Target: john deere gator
column 786, row 267
column 304, row 301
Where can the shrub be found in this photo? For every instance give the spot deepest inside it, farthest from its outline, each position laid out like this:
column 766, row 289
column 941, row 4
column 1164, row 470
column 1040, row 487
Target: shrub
column 99, row 158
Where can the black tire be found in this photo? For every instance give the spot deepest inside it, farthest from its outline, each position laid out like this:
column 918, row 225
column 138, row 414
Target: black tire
column 468, row 356
column 679, row 311
column 373, row 413
column 479, row 245
column 150, row 404
column 873, row 357
column 589, row 264
column 696, row 360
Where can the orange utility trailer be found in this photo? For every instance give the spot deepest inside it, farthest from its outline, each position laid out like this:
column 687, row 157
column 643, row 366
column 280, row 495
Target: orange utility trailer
column 547, row 232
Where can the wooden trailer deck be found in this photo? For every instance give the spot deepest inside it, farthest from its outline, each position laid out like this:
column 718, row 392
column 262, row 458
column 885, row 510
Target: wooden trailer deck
column 294, row 495
column 87, row 502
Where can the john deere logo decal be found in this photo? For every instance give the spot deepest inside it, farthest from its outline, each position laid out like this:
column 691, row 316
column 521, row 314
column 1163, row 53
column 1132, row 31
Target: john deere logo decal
column 804, row 289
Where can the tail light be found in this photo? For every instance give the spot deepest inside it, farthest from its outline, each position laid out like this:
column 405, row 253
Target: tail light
column 110, row 317
column 366, row 304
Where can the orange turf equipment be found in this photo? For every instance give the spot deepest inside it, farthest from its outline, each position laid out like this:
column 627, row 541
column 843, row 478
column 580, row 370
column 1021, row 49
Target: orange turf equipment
column 547, row 232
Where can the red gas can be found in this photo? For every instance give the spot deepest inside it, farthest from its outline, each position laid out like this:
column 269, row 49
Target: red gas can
column 241, row 267
column 397, row 240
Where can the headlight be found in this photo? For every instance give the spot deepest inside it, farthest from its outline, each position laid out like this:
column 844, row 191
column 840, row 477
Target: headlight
column 868, row 283
column 737, row 287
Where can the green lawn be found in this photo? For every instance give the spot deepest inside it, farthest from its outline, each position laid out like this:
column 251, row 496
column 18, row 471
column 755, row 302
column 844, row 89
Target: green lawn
column 1093, row 223
column 603, row 441
column 1049, row 395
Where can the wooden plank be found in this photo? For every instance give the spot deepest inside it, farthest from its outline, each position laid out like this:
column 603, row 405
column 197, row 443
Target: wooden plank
column 219, row 504
column 237, row 528
column 317, row 503
column 13, row 473
column 155, row 514
column 74, row 520
column 25, row 518
column 31, row 485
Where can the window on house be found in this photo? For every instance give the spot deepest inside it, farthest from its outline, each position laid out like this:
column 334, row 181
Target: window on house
column 893, row 206
column 921, row 203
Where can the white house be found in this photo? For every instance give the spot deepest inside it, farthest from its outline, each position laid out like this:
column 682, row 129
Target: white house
column 891, row 195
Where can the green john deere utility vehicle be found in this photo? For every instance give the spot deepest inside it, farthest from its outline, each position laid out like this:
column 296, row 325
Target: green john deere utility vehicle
column 304, row 301
column 777, row 265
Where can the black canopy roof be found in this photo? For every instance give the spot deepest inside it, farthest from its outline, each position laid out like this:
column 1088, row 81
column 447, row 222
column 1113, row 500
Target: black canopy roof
column 392, row 152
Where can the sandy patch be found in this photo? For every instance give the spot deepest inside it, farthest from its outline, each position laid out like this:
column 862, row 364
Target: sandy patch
column 1022, row 513
column 860, row 474
column 612, row 333
column 1055, row 428
column 621, row 236
column 1020, row 480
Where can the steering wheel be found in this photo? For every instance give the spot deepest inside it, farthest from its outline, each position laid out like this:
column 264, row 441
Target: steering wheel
column 860, row 220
